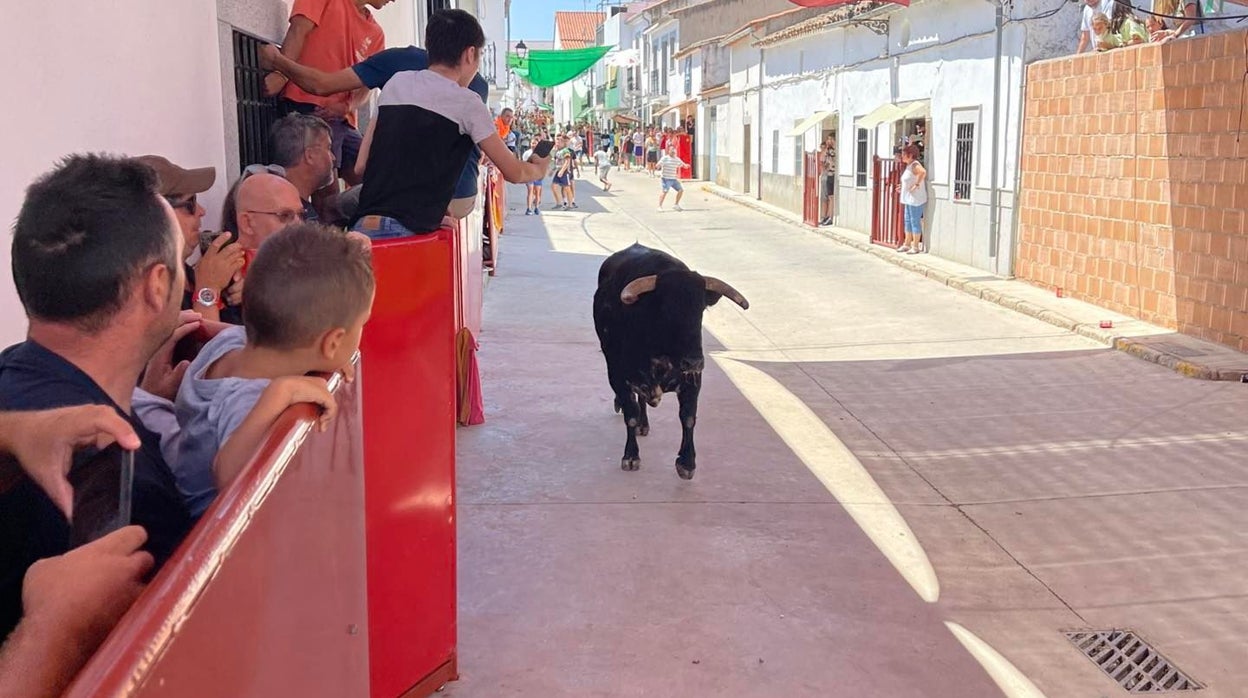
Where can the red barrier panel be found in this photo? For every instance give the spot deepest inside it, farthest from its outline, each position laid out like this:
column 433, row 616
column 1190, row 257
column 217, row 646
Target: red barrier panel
column 684, row 151
column 886, row 213
column 810, row 189
column 409, row 458
column 266, row 597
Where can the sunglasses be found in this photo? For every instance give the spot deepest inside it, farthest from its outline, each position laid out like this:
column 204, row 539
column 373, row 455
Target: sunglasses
column 262, row 169
column 191, row 205
column 286, row 217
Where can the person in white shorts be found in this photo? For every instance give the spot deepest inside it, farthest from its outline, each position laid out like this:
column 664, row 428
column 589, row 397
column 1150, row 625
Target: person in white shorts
column 603, row 159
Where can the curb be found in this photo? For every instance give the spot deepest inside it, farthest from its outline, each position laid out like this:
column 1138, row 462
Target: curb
column 1127, row 345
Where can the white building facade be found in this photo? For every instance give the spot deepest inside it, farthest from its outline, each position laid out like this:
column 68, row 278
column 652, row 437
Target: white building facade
column 874, row 79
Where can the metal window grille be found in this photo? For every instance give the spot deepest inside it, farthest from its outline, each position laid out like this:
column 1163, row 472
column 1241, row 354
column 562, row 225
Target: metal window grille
column 489, row 64
column 435, row 5
column 256, row 113
column 862, row 159
column 798, row 157
column 775, row 151
column 689, row 77
column 963, row 159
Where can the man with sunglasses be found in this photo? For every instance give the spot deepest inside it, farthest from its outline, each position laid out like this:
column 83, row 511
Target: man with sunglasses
column 210, row 271
column 266, row 203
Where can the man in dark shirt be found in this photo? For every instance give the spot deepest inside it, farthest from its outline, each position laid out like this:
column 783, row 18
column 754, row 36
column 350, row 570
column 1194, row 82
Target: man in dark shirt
column 97, row 264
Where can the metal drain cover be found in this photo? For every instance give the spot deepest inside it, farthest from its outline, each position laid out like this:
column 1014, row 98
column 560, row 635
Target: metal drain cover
column 1131, row 662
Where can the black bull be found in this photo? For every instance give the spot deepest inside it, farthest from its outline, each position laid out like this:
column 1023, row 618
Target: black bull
column 648, row 315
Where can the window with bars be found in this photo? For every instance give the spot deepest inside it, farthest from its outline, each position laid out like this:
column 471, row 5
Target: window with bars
column 256, row 113
column 435, row 5
column 863, row 158
column 775, row 151
column 688, row 76
column 963, row 159
column 799, row 159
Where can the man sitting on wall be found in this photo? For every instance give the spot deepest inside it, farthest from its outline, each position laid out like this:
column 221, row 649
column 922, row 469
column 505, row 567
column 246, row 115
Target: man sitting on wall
column 375, row 73
column 427, row 122
column 97, row 262
column 302, row 145
column 330, row 35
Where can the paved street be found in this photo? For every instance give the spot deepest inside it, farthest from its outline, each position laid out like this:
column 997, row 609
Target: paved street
column 902, row 490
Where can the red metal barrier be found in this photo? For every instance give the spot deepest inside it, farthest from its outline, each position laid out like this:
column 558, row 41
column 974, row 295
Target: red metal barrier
column 267, row 596
column 410, row 461
column 810, row 189
column 886, row 213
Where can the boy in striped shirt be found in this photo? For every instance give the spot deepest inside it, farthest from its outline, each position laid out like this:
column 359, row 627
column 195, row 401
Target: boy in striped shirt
column 670, row 166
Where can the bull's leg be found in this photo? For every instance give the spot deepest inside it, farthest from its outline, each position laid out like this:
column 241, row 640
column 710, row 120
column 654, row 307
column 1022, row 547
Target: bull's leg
column 686, row 460
column 643, row 421
column 632, row 417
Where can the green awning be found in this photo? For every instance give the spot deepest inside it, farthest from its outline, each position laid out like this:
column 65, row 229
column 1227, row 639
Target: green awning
column 551, row 68
column 545, row 107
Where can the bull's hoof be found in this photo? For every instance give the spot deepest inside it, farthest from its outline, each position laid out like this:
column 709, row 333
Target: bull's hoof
column 682, row 471
column 630, row 464
column 643, row 430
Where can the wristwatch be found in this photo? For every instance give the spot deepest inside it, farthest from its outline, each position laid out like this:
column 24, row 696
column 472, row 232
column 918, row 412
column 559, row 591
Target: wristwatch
column 207, row 297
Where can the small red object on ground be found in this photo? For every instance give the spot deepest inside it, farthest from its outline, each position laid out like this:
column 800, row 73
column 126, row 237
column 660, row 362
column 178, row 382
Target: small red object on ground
column 1060, row 292
column 1106, row 324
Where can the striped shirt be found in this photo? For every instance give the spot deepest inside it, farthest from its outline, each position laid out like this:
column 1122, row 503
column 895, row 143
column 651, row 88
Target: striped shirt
column 671, row 166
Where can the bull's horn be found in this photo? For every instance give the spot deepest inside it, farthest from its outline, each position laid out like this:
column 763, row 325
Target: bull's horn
column 723, row 289
column 636, row 287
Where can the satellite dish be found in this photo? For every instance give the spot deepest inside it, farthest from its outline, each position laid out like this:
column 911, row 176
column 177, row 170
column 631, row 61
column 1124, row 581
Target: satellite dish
column 903, row 32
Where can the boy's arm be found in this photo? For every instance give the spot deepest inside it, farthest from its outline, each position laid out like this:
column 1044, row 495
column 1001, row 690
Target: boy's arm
column 242, row 442
column 513, row 170
column 311, row 80
column 292, row 48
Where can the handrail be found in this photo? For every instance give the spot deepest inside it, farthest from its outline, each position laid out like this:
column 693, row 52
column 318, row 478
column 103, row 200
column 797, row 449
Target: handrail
column 141, row 656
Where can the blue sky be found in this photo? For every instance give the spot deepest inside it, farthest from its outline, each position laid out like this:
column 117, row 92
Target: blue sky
column 535, row 19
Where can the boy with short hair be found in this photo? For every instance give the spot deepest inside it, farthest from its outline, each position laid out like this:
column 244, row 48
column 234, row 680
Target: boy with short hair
column 309, row 292
column 561, row 182
column 427, row 122
column 533, row 202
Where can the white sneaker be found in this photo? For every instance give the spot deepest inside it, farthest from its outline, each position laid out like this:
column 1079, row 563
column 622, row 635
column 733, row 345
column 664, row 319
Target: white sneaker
column 678, row 208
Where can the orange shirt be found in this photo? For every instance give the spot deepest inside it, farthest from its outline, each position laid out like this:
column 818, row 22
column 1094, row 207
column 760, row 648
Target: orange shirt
column 502, row 127
column 343, row 37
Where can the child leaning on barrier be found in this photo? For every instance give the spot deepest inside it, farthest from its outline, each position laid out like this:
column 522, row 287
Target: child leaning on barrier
column 309, row 292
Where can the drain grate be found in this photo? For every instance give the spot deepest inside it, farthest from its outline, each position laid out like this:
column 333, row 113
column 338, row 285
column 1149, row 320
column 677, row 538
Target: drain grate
column 1132, row 662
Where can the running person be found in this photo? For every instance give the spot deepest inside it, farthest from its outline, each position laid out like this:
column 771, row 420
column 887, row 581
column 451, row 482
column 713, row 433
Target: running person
column 670, row 167
column 561, row 183
column 603, row 160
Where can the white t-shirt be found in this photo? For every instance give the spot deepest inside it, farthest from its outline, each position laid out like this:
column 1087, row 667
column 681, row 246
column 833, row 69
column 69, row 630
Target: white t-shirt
column 638, row 138
column 575, row 142
column 1105, row 7
column 603, row 159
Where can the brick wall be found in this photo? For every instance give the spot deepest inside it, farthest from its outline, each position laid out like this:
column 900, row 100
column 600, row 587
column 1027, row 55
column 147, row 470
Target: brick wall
column 1134, row 185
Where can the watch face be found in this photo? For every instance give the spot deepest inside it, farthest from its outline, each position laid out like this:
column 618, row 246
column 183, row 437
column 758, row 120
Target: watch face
column 206, row 296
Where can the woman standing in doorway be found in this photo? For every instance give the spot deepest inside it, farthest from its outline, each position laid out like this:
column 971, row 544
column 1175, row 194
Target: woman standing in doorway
column 913, row 199
column 827, row 183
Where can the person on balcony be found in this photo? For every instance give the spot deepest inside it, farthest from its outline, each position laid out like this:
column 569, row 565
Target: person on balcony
column 97, row 262
column 330, row 35
column 1179, row 19
column 1090, row 9
column 913, row 199
column 426, row 125
column 374, row 73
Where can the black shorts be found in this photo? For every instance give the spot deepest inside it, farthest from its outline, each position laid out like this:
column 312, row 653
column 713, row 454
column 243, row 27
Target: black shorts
column 652, row 156
column 829, row 185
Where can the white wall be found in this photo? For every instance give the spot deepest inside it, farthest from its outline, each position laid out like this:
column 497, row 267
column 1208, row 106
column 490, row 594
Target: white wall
column 142, row 78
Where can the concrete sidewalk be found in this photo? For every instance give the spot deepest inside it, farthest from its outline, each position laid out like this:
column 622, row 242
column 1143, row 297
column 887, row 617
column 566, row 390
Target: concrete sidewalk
column 1189, row 356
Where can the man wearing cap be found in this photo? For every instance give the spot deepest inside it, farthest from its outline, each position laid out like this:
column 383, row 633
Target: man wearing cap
column 213, row 283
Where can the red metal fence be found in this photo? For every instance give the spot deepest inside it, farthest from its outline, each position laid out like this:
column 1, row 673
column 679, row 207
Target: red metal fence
column 886, row 213
column 810, row 190
column 327, row 568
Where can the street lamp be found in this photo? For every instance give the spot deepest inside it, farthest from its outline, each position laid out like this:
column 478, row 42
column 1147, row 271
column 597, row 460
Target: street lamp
column 521, row 50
